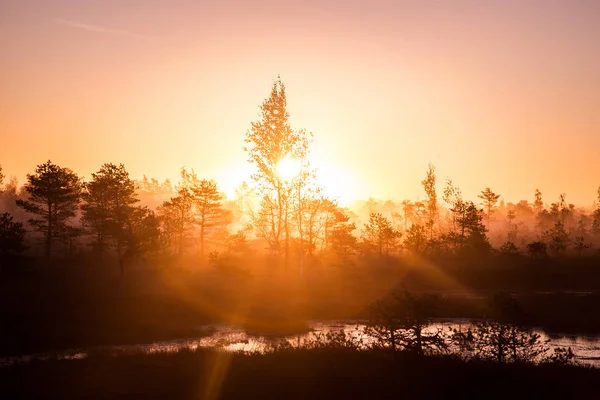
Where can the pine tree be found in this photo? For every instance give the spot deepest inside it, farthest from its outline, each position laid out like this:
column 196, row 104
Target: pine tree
column 208, row 207
column 110, row 200
column 490, row 199
column 53, row 194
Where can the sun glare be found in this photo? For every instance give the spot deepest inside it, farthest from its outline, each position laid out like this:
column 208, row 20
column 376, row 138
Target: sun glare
column 288, row 168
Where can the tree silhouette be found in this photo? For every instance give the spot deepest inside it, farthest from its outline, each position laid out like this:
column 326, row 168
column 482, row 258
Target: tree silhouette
column 270, row 141
column 509, row 248
column 501, row 337
column 408, row 212
column 343, row 242
column 432, row 206
column 380, row 234
column 317, row 218
column 142, row 234
column 2, row 176
column 557, row 238
column 489, row 201
column 110, row 200
column 452, row 196
column 265, row 222
column 12, row 237
column 177, row 214
column 209, row 208
column 596, row 216
column 538, row 203
column 415, row 239
column 398, row 322
column 53, row 194
column 537, row 249
column 471, row 231
column 580, row 245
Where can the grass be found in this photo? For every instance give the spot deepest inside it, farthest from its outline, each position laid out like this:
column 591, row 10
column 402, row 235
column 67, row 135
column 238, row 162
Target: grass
column 321, row 373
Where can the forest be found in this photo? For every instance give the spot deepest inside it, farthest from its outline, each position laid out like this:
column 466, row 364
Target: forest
column 111, row 260
column 281, row 213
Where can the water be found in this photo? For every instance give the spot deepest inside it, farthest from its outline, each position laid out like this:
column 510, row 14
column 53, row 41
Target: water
column 230, row 338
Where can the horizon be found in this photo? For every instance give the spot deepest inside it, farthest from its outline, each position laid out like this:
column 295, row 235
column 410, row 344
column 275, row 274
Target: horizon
column 509, row 102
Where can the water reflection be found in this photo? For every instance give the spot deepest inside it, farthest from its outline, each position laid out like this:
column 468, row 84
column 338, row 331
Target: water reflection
column 230, row 338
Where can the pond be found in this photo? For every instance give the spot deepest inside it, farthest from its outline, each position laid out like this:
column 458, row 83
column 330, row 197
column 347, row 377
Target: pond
column 231, row 338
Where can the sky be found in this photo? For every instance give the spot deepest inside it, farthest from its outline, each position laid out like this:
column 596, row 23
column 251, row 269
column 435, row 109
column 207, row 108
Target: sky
column 498, row 93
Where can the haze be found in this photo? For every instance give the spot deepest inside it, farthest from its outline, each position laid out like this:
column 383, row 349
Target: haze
column 502, row 94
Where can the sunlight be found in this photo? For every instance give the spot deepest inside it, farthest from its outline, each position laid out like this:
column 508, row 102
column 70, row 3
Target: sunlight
column 338, row 183
column 288, row 168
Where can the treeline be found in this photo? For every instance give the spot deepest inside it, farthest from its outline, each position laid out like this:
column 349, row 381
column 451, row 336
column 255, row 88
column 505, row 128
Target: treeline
column 282, row 212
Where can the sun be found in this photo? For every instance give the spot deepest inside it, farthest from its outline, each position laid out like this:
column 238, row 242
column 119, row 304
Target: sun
column 288, row 168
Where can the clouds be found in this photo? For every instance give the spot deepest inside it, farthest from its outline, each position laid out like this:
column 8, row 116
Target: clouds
column 98, row 29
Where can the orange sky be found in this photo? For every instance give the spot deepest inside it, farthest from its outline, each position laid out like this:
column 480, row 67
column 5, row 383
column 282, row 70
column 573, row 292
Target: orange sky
column 500, row 93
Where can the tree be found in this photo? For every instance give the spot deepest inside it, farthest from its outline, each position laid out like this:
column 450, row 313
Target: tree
column 557, row 238
column 501, row 337
column 452, row 196
column 579, row 244
column 468, row 226
column 143, row 232
column 432, row 206
column 398, row 322
column 343, row 242
column 538, row 203
column 238, row 242
column 408, row 212
column 209, row 208
column 270, row 141
column 537, row 249
column 489, row 201
column 379, row 233
column 509, row 248
column 177, row 214
column 2, row 176
column 12, row 237
column 265, row 223
column 53, row 195
column 416, row 239
column 110, row 200
column 316, row 221
column 596, row 217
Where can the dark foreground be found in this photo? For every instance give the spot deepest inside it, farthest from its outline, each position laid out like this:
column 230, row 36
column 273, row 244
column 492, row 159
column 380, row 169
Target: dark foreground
column 80, row 303
column 292, row 374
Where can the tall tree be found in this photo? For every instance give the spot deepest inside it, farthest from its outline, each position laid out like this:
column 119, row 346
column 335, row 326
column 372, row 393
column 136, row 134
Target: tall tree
column 489, row 201
column 270, row 141
column 432, row 206
column 110, row 200
column 53, row 194
column 209, row 208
